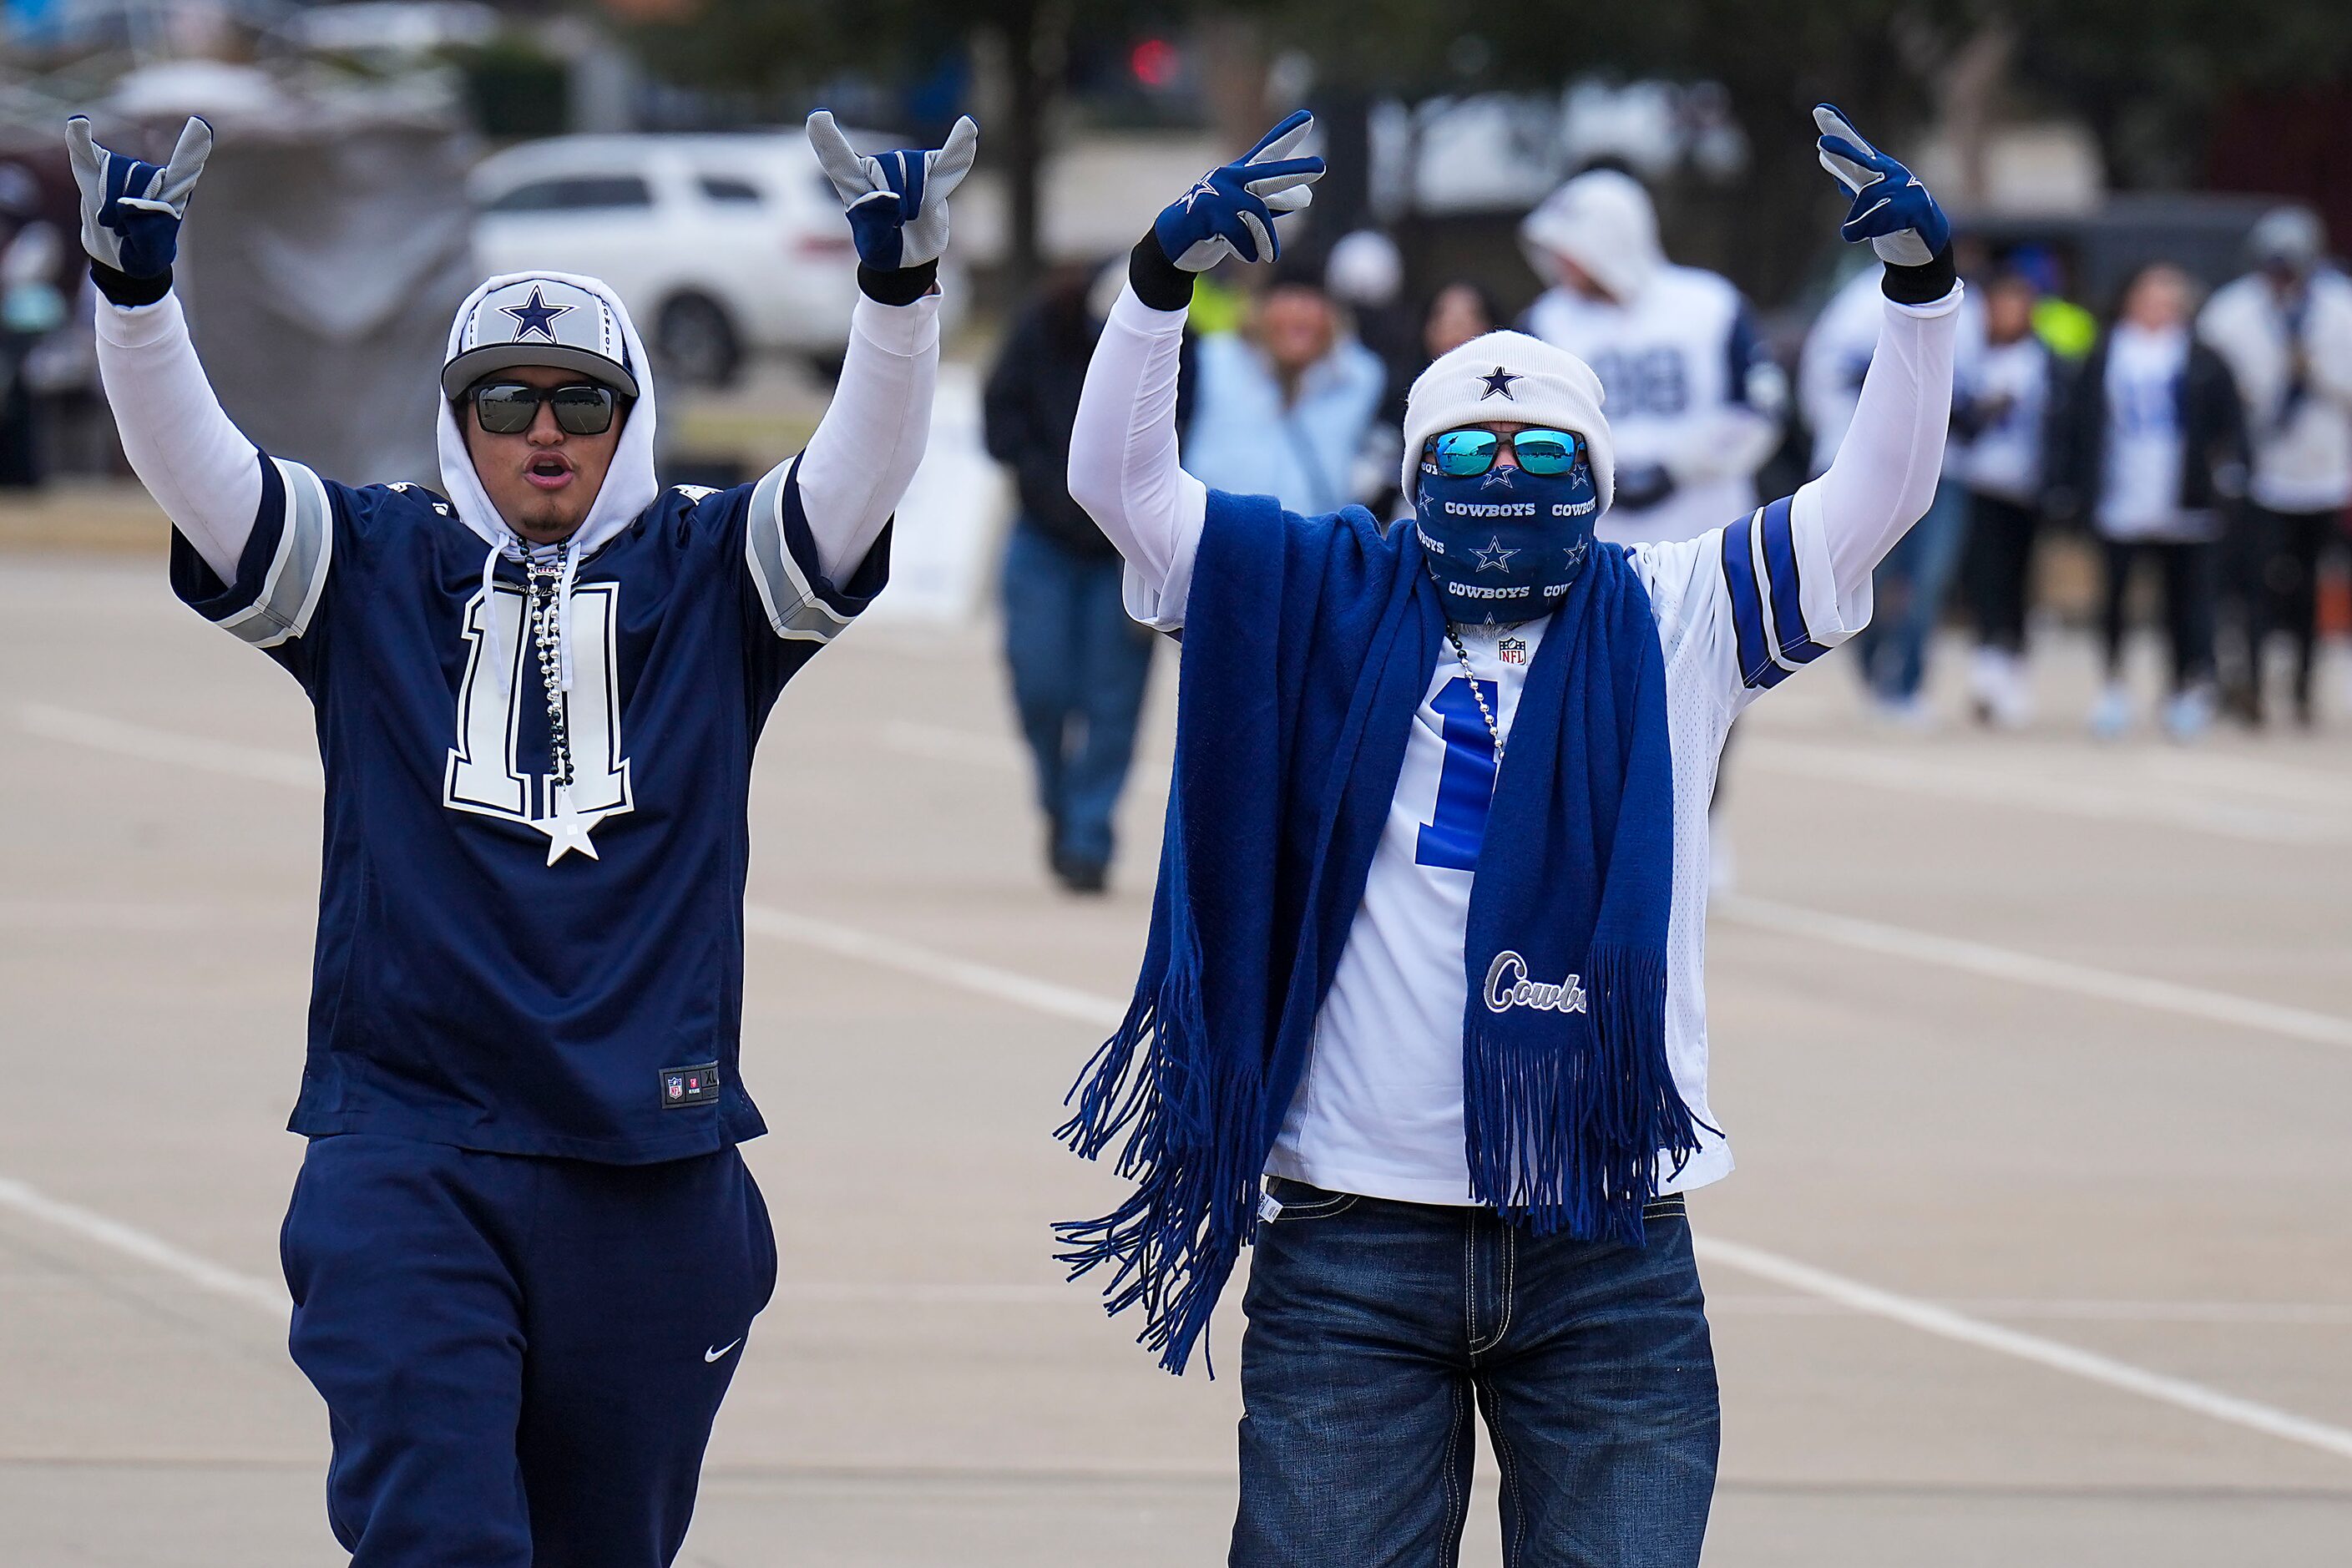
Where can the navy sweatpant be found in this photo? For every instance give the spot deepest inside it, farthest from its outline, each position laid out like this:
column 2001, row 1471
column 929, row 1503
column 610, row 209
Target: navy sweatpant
column 521, row 1358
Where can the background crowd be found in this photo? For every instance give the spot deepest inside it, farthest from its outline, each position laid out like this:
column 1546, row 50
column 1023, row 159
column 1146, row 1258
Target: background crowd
column 2201, row 441
column 2153, row 422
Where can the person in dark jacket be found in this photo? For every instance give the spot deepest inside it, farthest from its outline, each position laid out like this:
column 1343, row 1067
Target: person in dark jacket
column 2150, row 452
column 2001, row 416
column 1079, row 664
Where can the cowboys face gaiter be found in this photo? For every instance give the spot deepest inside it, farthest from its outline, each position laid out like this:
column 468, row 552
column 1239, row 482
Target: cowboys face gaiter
column 1506, row 545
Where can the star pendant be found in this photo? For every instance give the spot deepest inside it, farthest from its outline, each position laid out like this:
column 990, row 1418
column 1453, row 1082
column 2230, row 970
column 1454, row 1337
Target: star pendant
column 567, row 830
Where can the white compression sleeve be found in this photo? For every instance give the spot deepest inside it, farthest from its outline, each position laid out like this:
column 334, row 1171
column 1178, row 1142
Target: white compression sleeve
column 869, row 444
column 1123, row 459
column 1884, row 474
column 197, row 464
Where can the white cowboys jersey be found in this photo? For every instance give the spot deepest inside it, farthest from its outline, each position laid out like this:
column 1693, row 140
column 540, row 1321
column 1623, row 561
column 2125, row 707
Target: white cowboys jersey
column 1688, row 385
column 1379, row 1111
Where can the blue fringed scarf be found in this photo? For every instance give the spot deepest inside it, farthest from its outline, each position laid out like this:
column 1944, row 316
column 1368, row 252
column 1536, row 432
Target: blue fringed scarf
column 1308, row 645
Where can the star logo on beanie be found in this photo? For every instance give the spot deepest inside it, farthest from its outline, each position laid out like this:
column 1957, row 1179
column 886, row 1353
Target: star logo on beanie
column 1498, row 384
column 536, row 315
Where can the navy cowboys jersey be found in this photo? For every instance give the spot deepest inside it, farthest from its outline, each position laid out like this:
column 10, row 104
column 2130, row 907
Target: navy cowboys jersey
column 474, row 983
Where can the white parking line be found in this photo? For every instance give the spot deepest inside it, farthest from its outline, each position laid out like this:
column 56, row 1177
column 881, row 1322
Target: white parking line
column 152, row 1250
column 2032, row 968
column 928, row 964
column 1945, row 1323
column 2141, row 800
column 263, row 763
column 1062, row 1002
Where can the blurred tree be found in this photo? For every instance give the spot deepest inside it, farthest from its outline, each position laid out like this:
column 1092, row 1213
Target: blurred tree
column 1776, row 59
column 2149, row 76
column 779, row 50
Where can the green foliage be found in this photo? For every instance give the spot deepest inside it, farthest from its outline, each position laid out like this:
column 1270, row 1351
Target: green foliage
column 516, row 90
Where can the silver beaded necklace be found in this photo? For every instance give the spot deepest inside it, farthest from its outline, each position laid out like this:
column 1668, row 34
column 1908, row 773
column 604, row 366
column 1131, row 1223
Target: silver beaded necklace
column 1493, row 729
column 545, row 588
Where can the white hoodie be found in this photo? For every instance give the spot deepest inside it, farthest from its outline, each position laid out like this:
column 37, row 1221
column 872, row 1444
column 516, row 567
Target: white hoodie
column 2302, row 456
column 201, row 470
column 1665, row 345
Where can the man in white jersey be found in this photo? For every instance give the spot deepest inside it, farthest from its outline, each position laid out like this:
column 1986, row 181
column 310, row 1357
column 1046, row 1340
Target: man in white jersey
column 1694, row 398
column 1426, row 1030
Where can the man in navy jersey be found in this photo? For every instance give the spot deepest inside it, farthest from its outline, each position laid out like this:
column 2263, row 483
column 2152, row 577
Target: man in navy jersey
column 523, row 1250
column 1423, row 1025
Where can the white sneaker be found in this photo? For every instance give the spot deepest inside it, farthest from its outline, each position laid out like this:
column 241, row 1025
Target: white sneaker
column 1910, row 713
column 2111, row 715
column 2188, row 714
column 1999, row 692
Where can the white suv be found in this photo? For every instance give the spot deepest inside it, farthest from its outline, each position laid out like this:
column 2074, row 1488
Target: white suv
column 721, row 246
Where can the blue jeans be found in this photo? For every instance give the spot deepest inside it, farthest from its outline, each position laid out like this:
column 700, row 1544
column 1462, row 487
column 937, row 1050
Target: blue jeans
column 1908, row 589
column 1373, row 1325
column 1079, row 666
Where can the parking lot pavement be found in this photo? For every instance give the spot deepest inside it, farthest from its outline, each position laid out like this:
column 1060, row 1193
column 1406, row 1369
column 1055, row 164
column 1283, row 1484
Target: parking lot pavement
column 2034, row 1053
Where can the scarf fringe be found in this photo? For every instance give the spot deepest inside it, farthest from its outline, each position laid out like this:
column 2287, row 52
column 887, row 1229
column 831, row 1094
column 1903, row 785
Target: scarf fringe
column 1562, row 1139
column 1172, row 1244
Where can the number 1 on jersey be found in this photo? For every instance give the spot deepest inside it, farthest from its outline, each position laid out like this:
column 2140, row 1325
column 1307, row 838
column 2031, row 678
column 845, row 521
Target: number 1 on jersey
column 1465, row 787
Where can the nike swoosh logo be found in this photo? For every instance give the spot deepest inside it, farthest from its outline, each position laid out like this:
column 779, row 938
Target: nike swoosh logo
column 708, row 1356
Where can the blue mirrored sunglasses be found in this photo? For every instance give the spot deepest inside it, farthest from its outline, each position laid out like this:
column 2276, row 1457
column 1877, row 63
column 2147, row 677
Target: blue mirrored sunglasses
column 1462, row 454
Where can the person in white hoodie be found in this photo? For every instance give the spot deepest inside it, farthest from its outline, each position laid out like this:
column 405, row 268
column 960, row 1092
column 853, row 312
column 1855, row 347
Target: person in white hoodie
column 1694, row 397
column 1696, row 400
column 2285, row 330
column 2150, row 452
column 523, row 1250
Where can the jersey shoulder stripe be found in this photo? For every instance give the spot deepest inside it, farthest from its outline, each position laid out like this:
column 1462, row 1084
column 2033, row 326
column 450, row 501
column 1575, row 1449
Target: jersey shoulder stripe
column 1768, row 613
column 296, row 524
column 1779, row 550
column 1755, row 664
column 780, row 554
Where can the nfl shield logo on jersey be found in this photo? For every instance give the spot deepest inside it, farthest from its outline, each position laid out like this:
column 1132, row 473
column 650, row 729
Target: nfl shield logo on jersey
column 1512, row 650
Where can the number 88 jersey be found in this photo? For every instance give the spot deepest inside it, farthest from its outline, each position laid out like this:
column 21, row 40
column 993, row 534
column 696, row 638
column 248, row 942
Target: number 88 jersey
column 477, row 982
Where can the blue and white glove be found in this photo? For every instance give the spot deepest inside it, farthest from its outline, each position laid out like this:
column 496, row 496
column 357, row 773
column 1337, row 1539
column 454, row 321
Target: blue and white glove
column 1231, row 211
column 898, row 202
column 1891, row 209
column 131, row 211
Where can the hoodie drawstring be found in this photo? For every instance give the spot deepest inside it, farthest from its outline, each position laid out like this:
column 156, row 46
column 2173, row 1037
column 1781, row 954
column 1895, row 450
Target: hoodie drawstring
column 548, row 627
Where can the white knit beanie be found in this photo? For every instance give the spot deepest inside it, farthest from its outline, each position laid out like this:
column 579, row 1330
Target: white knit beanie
column 1509, row 376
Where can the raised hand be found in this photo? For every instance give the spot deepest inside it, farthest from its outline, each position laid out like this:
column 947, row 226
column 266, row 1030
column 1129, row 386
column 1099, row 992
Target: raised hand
column 1891, row 209
column 898, row 202
column 131, row 211
column 1231, row 211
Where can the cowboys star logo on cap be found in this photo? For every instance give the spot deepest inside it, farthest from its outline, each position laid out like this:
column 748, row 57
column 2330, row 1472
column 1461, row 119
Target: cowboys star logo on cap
column 1498, row 384
column 536, row 315
column 541, row 322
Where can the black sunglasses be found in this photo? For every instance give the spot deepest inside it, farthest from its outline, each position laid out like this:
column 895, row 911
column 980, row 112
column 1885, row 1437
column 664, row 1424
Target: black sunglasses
column 509, row 408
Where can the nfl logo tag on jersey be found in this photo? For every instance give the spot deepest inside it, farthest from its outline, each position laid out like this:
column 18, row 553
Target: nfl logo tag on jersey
column 690, row 1086
column 1512, row 650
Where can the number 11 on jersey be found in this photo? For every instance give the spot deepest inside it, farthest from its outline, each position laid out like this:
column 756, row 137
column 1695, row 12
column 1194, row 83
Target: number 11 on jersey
column 1465, row 787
